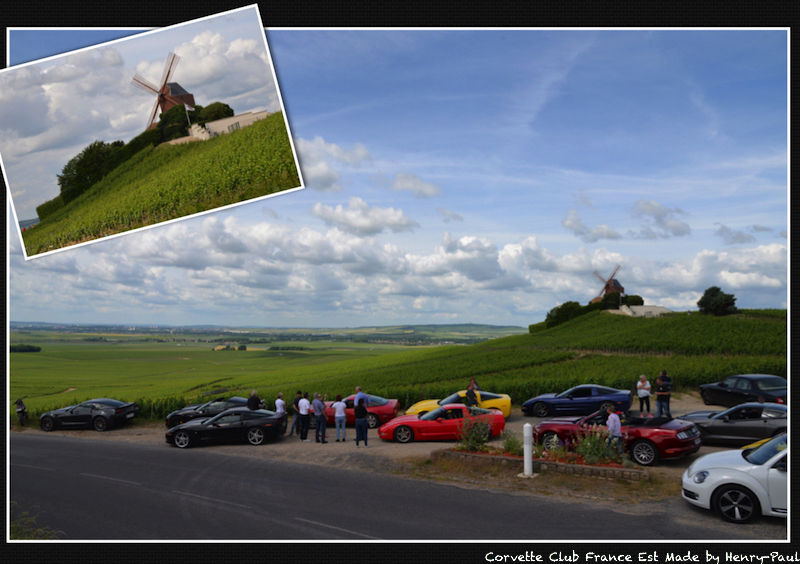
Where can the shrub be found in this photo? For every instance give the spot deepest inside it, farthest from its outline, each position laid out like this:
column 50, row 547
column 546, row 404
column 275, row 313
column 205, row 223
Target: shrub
column 25, row 348
column 474, row 434
column 512, row 443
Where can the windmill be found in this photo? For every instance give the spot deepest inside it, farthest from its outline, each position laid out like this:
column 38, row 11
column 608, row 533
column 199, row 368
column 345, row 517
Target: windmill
column 610, row 285
column 168, row 94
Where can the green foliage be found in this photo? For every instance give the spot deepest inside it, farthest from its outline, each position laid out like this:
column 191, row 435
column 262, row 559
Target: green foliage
column 562, row 313
column 214, row 111
column 513, row 443
column 175, row 181
column 536, row 327
column 593, row 444
column 20, row 348
column 717, row 302
column 23, row 526
column 49, row 207
column 87, row 168
column 174, row 123
column 474, row 434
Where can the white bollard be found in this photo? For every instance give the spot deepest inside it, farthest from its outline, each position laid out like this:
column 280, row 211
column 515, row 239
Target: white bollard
column 527, row 437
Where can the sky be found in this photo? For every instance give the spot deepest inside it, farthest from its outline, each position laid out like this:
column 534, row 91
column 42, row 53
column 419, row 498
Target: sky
column 50, row 111
column 471, row 176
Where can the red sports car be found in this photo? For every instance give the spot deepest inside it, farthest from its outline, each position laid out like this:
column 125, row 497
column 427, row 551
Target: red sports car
column 380, row 410
column 442, row 424
column 648, row 440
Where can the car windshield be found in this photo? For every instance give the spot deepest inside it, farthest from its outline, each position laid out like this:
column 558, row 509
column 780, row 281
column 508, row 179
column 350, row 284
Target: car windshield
column 761, row 454
column 771, row 384
column 565, row 394
column 454, row 398
column 377, row 400
column 433, row 415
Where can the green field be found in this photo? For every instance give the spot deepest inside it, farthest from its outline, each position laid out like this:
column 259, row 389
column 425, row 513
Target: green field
column 163, row 371
column 174, row 181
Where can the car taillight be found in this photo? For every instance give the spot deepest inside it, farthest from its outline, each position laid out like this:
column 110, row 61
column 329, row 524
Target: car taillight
column 780, row 400
column 119, row 410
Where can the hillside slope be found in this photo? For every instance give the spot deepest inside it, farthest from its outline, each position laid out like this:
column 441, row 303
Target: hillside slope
column 175, row 181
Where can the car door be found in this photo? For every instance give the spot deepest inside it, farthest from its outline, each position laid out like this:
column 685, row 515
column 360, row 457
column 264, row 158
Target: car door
column 777, row 484
column 724, row 393
column 583, row 400
column 350, row 410
column 742, row 424
column 78, row 416
column 227, row 428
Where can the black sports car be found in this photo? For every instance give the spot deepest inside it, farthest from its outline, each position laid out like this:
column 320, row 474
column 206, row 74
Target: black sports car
column 98, row 414
column 234, row 425
column 734, row 390
column 741, row 424
column 208, row 409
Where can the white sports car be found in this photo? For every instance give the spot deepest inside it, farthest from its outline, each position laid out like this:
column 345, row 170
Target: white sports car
column 741, row 484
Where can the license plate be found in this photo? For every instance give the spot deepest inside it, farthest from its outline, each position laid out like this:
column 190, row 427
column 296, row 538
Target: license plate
column 697, row 441
column 129, row 416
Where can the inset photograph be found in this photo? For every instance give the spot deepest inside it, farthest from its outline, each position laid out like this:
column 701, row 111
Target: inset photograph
column 152, row 128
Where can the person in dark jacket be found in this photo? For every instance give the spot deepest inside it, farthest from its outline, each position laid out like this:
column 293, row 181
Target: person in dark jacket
column 253, row 402
column 362, row 424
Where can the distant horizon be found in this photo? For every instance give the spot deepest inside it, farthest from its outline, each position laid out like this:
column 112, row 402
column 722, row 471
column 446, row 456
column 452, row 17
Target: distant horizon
column 263, row 327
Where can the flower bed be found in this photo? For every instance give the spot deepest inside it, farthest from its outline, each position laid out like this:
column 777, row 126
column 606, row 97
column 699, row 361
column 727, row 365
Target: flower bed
column 574, row 467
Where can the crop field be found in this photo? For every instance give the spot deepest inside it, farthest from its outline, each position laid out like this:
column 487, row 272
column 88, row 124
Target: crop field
column 174, row 181
column 597, row 348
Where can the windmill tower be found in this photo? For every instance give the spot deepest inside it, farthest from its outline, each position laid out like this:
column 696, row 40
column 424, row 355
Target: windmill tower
column 168, row 94
column 610, row 285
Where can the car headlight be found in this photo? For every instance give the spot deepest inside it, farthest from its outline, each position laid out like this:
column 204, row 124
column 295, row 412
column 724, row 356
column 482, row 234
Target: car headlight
column 700, row 477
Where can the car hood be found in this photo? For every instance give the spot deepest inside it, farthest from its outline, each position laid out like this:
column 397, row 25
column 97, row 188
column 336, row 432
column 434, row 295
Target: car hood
column 563, row 419
column 193, row 423
column 185, row 409
column 425, row 404
column 402, row 419
column 724, row 459
column 697, row 416
column 542, row 397
column 57, row 411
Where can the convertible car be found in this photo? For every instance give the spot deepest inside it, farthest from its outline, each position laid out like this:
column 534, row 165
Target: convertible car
column 740, row 425
column 98, row 414
column 208, row 409
column 379, row 410
column 234, row 425
column 648, row 440
column 734, row 390
column 580, row 400
column 442, row 424
column 486, row 400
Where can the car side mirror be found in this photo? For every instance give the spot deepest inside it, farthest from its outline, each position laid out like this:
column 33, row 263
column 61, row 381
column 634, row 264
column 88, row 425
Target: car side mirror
column 781, row 465
column 438, row 419
column 726, row 418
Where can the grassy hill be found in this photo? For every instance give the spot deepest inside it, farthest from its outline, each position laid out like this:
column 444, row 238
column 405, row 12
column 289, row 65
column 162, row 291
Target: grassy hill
column 173, row 181
column 595, row 348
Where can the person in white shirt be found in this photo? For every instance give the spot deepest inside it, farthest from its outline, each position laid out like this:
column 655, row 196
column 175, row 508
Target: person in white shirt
column 339, row 417
column 305, row 418
column 643, row 391
column 280, row 406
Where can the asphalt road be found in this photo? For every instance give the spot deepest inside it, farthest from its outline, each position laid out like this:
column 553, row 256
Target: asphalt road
column 94, row 490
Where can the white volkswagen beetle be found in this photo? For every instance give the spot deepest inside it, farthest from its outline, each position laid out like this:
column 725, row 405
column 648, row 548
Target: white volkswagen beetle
column 741, row 484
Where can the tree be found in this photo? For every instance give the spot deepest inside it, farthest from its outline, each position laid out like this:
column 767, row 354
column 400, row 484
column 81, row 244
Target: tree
column 87, row 168
column 716, row 302
column 217, row 110
column 173, row 123
column 562, row 313
column 633, row 300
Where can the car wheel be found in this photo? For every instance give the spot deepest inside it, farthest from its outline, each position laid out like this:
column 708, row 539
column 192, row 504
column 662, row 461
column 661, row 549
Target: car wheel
column 736, row 504
column 255, row 436
column 550, row 441
column 100, row 423
column 403, row 434
column 182, row 439
column 705, row 396
column 605, row 405
column 46, row 423
column 644, row 453
column 175, row 422
column 541, row 409
column 373, row 420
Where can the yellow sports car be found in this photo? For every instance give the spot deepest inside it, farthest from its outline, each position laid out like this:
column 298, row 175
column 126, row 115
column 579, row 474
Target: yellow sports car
column 486, row 400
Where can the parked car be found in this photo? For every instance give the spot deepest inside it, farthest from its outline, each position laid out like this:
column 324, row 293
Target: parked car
column 98, row 414
column 734, row 390
column 486, row 400
column 379, row 411
column 233, row 425
column 442, row 424
column 648, row 440
column 741, row 424
column 208, row 409
column 580, row 400
column 741, row 484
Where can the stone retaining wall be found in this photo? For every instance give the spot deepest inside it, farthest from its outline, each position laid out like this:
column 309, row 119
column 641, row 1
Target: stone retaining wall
column 630, row 474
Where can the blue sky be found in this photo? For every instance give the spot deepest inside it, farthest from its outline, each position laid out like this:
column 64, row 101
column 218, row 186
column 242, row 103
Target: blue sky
column 51, row 109
column 472, row 176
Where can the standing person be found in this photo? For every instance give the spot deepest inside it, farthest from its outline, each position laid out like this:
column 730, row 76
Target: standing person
column 662, row 398
column 472, row 399
column 340, row 416
column 614, row 427
column 474, row 383
column 253, row 402
column 668, row 381
column 362, row 425
column 319, row 414
column 304, row 406
column 280, row 407
column 359, row 396
column 296, row 417
column 643, row 391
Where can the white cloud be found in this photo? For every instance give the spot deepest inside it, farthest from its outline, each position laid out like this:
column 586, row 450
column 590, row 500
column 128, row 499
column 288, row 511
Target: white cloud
column 574, row 223
column 661, row 221
column 414, row 184
column 449, row 215
column 360, row 219
column 731, row 237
